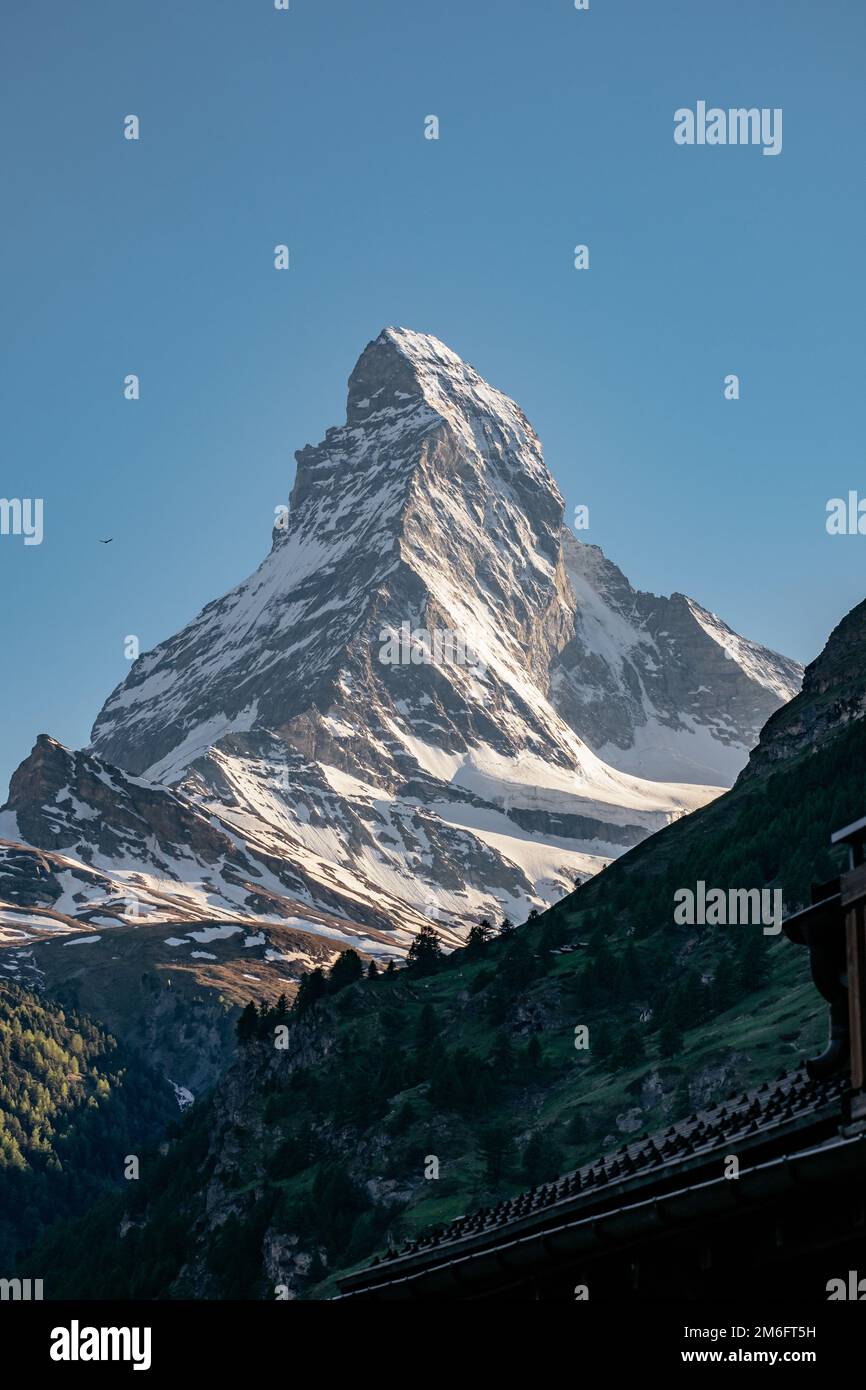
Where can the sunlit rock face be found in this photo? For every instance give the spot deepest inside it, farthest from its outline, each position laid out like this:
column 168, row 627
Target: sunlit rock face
column 429, row 700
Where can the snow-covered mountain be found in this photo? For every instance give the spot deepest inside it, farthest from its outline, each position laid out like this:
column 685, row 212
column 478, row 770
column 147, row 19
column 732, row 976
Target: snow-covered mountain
column 429, row 700
column 661, row 687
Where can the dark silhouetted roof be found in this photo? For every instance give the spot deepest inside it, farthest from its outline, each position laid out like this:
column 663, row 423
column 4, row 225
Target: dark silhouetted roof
column 780, row 1121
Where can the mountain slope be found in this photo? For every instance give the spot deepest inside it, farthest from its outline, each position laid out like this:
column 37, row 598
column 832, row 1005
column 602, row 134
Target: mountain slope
column 429, row 701
column 308, row 1158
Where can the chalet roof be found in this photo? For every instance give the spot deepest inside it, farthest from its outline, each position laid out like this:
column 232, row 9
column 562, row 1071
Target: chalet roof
column 790, row 1123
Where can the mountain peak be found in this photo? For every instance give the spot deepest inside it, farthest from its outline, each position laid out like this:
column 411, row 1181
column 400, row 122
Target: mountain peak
column 419, row 348
column 420, row 358
column 384, row 378
column 402, row 370
column 430, row 700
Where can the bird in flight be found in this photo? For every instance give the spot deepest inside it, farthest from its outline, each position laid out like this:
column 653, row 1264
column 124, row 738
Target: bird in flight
column 108, row 542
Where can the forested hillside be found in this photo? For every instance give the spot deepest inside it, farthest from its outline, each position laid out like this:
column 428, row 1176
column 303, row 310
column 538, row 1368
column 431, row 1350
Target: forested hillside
column 73, row 1104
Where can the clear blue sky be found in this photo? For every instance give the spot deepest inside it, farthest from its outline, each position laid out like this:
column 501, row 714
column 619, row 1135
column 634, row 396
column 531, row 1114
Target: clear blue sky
column 306, row 127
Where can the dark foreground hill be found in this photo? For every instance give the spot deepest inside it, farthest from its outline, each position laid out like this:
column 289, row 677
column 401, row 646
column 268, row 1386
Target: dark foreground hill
column 404, row 1100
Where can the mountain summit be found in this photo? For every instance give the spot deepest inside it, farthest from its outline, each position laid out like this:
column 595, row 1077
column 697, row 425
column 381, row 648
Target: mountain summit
column 429, row 700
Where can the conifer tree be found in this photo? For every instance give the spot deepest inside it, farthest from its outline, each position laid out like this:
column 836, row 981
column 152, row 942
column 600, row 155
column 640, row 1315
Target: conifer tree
column 496, row 1147
column 479, row 935
column 311, row 989
column 247, row 1024
column 576, row 1130
column 670, row 1037
column 502, row 1058
column 428, row 1027
column 541, row 1159
column 425, row 953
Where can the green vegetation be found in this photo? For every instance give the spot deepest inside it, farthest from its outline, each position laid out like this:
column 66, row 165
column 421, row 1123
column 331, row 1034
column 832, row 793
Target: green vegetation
column 72, row 1106
column 309, row 1158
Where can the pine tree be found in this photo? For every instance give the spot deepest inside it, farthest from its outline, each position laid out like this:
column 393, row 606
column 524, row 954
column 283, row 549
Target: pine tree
column 629, row 973
column 600, row 1042
column 541, row 1159
column 403, row 1119
column 683, row 1097
column 688, row 1000
column 576, row 1129
column 447, row 1086
column 502, row 1058
column 479, row 934
column 753, row 965
column 670, row 1037
column 425, row 953
column 247, row 1024
column 628, row 1048
column 519, row 966
column 428, row 1027
column 496, row 1147
column 724, row 989
column 603, row 968
column 311, row 989
column 347, row 968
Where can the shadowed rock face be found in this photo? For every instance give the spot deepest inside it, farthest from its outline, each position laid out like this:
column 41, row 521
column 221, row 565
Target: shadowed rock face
column 294, row 751
column 66, row 800
column 832, row 696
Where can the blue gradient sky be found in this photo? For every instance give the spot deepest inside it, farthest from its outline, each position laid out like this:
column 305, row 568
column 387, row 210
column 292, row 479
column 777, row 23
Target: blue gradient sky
column 306, row 127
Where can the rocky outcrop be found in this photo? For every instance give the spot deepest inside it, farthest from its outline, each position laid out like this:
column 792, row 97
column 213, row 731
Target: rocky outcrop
column 832, row 697
column 661, row 686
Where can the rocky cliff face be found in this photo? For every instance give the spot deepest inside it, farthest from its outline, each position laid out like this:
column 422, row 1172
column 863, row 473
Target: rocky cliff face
column 832, row 698
column 661, row 687
column 429, row 700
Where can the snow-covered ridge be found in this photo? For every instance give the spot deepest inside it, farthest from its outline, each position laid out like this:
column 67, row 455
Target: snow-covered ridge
column 659, row 686
column 312, row 781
